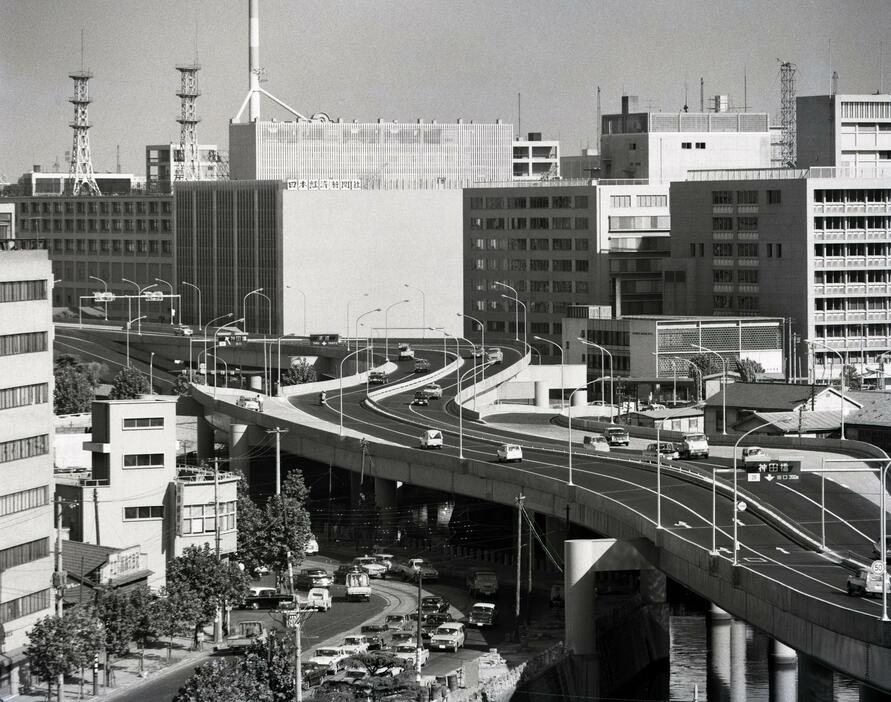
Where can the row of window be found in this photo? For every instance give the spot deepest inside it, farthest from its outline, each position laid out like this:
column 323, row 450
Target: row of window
column 18, row 449
column 143, row 460
column 24, row 395
column 24, row 500
column 23, row 606
column 746, row 250
column 857, row 277
column 606, row 337
column 143, row 422
column 642, row 200
column 45, row 226
column 743, row 302
column 127, row 207
column 852, row 222
column 31, row 342
column 725, row 275
column 578, row 202
column 851, row 304
column 536, row 265
column 23, row 553
column 851, row 331
column 22, row 290
column 745, row 197
column 852, row 250
column 200, row 519
column 689, row 144
column 743, row 224
column 555, row 307
column 522, row 223
column 849, row 195
column 555, row 244
column 147, row 512
column 646, row 223
column 114, row 246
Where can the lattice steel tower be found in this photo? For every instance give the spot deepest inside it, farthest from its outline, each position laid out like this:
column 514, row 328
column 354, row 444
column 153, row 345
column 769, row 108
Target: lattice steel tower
column 188, row 166
column 787, row 112
column 81, row 170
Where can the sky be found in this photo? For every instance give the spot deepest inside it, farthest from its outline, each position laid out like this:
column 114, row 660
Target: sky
column 408, row 59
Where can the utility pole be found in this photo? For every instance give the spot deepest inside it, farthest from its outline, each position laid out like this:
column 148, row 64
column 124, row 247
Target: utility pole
column 96, row 514
column 520, row 501
column 59, row 582
column 298, row 687
column 529, row 574
column 278, row 457
column 216, row 503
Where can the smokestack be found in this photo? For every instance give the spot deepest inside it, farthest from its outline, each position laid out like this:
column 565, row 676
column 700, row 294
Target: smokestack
column 254, row 58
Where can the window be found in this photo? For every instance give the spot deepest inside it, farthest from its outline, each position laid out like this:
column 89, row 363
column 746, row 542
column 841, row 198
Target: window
column 24, row 395
column 774, row 197
column 538, row 265
column 748, row 302
column 477, row 244
column 722, row 224
column 746, row 197
column 516, row 203
column 143, row 422
column 148, row 512
column 722, row 197
column 476, row 223
column 478, row 264
column 722, row 249
column 722, row 276
column 539, row 245
column 18, row 449
column 539, row 223
column 516, row 223
column 23, row 606
column 201, row 519
column 581, row 244
column 779, row 250
column 581, row 222
column 620, row 200
column 747, row 224
column 494, row 203
column 581, row 202
column 747, row 250
column 722, row 302
column 747, row 277
column 495, row 223
column 23, row 553
column 476, row 203
column 652, row 200
column 700, row 144
column 632, row 146
column 581, row 266
column 686, row 145
column 540, row 327
column 562, row 202
column 166, row 246
column 581, row 286
column 516, row 244
column 561, row 223
column 22, row 290
column 561, row 266
column 23, row 500
column 562, row 244
column 702, row 249
column 538, row 202
column 143, row 460
column 541, row 286
column 692, row 249
column 518, row 264
column 13, row 344
column 562, row 286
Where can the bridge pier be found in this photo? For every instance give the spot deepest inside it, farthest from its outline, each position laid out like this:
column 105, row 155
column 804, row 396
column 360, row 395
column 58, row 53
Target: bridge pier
column 718, row 655
column 385, row 500
column 815, row 680
column 783, row 664
column 542, row 394
column 737, row 661
column 580, row 597
column 204, row 432
column 240, row 449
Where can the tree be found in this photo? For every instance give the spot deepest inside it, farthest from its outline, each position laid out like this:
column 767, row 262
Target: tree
column 119, row 616
column 299, row 373
column 708, row 364
column 251, row 530
column 129, row 384
column 181, row 384
column 173, row 614
column 72, row 393
column 201, row 582
column 853, row 379
column 59, row 644
column 216, row 681
column 748, row 370
column 142, row 599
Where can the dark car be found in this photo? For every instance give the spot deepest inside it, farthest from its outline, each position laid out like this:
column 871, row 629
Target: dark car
column 433, row 604
column 482, row 615
column 312, row 674
column 377, row 628
column 312, row 577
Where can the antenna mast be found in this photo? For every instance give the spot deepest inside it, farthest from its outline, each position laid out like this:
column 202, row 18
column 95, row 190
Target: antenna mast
column 188, row 167
column 787, row 112
column 597, row 125
column 81, row 170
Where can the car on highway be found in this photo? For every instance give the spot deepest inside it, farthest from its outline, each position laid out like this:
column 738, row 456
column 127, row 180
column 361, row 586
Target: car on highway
column 341, row 572
column 398, row 622
column 385, row 559
column 422, row 365
column 616, row 436
column 263, row 598
column 664, row 449
column 409, row 570
column 331, row 659
column 448, row 637
column 370, row 566
column 693, row 446
column 432, row 622
column 877, row 550
column 495, row 355
column 374, row 629
column 507, row 453
column 182, row 330
column 482, row 582
column 400, row 638
column 754, row 454
column 313, row 577
column 251, row 403
column 407, row 653
column 377, row 377
column 406, row 352
column 865, row 583
column 420, row 399
column 596, row 442
column 482, row 615
column 354, row 643
column 433, row 391
column 432, row 604
column 431, row 439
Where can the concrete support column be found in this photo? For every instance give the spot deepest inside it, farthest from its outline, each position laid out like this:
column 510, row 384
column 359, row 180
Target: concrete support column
column 580, row 598
column 783, row 665
column 815, row 682
column 204, row 431
column 718, row 655
column 580, row 399
column 255, row 382
column 542, row 394
column 240, row 449
column 653, row 586
column 355, row 489
column 385, row 500
column 737, row 661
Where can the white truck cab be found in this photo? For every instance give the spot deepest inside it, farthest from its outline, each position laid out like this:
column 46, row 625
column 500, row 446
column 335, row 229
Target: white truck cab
column 693, row 446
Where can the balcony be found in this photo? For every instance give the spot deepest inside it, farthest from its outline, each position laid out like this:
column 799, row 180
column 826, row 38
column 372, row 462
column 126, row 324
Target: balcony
column 191, row 474
column 747, row 209
column 836, row 262
column 747, row 262
column 748, row 236
column 722, row 288
column 722, row 209
column 835, row 289
column 858, row 235
column 832, row 208
column 722, row 236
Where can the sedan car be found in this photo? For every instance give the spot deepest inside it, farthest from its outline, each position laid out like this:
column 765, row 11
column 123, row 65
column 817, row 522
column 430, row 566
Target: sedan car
column 354, row 643
column 433, row 391
column 448, row 637
column 482, row 615
column 370, row 566
column 408, row 652
column 596, row 443
column 509, row 452
column 432, row 622
column 433, row 604
column 397, row 622
column 400, row 638
column 330, row 659
column 341, row 572
column 313, row 577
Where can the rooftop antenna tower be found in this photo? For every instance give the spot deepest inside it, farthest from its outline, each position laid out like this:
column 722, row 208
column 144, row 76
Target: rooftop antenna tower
column 787, row 111
column 597, row 124
column 81, row 170
column 686, row 108
column 118, row 159
column 188, row 168
column 835, row 82
column 702, row 94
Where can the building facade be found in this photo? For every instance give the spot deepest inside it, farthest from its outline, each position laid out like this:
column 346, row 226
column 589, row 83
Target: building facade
column 535, row 159
column 663, row 146
column 810, row 245
column 163, row 160
column 844, row 131
column 26, row 454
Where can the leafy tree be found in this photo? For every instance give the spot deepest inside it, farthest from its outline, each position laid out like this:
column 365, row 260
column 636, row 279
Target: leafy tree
column 708, row 364
column 129, row 384
column 119, row 616
column 93, row 371
column 173, row 614
column 72, row 393
column 218, row 680
column 748, row 370
column 251, row 529
column 143, row 600
column 201, row 582
column 299, row 373
column 181, row 384
column 57, row 645
column 853, row 379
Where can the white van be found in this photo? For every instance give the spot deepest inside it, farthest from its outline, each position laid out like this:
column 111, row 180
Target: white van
column 431, row 438
column 665, row 448
column 509, row 452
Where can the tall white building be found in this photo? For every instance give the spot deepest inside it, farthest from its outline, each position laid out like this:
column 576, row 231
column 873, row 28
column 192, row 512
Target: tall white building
column 663, row 146
column 162, row 160
column 26, row 455
column 846, row 131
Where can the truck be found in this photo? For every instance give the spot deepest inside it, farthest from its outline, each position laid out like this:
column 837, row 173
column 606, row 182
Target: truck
column 422, row 365
column 482, row 582
column 318, row 598
column 616, row 436
column 693, row 446
column 406, row 352
column 243, row 633
column 866, row 582
column 358, row 587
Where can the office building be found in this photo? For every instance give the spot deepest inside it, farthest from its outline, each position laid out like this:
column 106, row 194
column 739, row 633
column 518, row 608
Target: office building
column 844, row 131
column 663, row 146
column 137, row 495
column 584, row 165
column 26, row 455
column 38, row 182
column 810, row 245
column 535, row 159
column 163, row 160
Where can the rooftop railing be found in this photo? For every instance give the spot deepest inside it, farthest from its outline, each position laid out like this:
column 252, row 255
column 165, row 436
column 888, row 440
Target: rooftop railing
column 787, row 173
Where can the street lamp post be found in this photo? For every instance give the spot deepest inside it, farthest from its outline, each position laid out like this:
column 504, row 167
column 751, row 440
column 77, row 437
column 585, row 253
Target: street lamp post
column 364, row 314
column 516, row 310
column 735, row 492
column 883, row 539
column 525, row 325
column 244, row 305
column 152, row 374
column 696, row 369
column 482, row 340
column 348, row 323
column 352, row 353
column 95, row 277
column 171, row 308
column 612, row 394
column 458, row 382
column 569, row 421
column 723, row 386
column 387, row 326
column 192, row 285
column 206, row 326
column 139, row 300
column 129, row 323
column 423, row 309
column 417, row 569
column 562, row 367
column 841, row 375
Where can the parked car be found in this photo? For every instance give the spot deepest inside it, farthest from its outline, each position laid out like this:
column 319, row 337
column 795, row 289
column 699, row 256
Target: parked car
column 665, row 449
column 406, row 352
column 331, row 659
column 354, row 643
column 433, row 391
column 182, row 330
column 509, row 452
column 482, row 615
column 397, row 622
column 264, row 598
column 408, row 652
column 693, row 446
column 422, row 365
column 377, row 377
column 448, row 637
column 616, row 436
column 431, row 439
column 420, row 399
column 370, row 566
column 312, row 577
column 596, row 442
column 482, row 582
column 251, row 403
